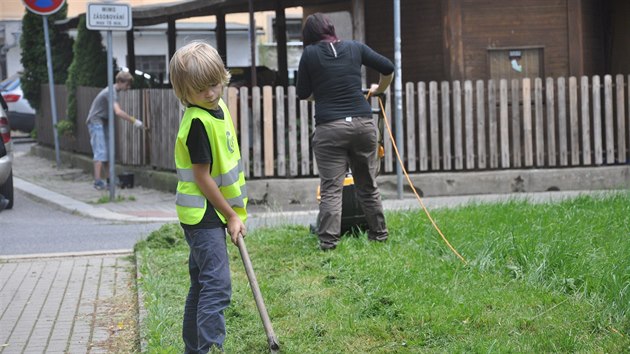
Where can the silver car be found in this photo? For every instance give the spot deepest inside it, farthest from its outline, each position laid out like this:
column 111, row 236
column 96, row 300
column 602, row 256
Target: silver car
column 21, row 114
column 6, row 159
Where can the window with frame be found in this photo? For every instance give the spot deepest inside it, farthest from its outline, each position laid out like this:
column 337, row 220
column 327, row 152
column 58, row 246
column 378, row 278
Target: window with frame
column 516, row 63
column 155, row 65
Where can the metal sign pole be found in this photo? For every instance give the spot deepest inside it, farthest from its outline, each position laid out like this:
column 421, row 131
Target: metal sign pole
column 110, row 17
column 398, row 95
column 51, row 86
column 111, row 125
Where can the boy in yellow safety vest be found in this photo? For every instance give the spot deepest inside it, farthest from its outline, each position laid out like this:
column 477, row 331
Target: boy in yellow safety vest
column 211, row 193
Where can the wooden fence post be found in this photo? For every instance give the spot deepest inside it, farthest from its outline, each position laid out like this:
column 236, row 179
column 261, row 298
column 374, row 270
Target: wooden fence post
column 551, row 123
column 527, row 123
column 516, row 124
column 244, row 124
column 597, row 121
column 504, row 127
column 292, row 111
column 410, row 118
column 422, row 127
column 621, row 120
column 481, row 125
column 469, row 125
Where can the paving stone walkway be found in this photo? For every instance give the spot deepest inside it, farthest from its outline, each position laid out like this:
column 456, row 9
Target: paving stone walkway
column 60, row 304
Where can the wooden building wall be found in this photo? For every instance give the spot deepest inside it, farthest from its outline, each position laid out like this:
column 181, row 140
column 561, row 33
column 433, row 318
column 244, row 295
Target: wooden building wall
column 421, row 32
column 452, row 39
column 511, row 25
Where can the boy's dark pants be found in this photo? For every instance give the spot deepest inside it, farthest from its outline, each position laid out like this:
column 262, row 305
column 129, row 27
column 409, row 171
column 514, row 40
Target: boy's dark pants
column 210, row 290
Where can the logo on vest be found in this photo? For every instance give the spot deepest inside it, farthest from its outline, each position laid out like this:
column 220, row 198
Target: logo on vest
column 230, row 142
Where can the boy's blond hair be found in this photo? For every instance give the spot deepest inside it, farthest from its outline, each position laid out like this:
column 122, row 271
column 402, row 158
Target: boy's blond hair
column 124, row 77
column 195, row 67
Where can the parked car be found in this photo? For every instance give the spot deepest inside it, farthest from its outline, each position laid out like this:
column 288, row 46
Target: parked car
column 6, row 158
column 21, row 114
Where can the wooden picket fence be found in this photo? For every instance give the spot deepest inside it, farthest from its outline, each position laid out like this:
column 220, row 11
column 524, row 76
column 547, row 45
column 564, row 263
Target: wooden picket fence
column 447, row 126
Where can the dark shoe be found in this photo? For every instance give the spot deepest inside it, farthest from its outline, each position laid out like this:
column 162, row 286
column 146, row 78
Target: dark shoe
column 327, row 246
column 378, row 239
column 100, row 185
column 4, row 202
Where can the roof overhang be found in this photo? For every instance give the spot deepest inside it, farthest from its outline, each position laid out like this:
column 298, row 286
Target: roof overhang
column 147, row 15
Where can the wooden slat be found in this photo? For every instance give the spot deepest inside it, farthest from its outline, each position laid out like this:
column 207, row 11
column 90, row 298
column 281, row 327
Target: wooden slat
column 457, row 126
column 621, row 119
column 268, row 145
column 280, row 133
column 232, row 103
column 243, row 100
column 423, row 136
column 539, row 125
column 551, row 123
column 390, row 155
column 256, row 132
column 493, row 137
column 434, row 126
column 410, row 131
column 504, row 127
column 574, row 127
column 292, row 120
column 563, row 153
column 481, row 125
column 446, row 125
column 609, row 124
column 597, row 121
column 312, row 120
column 305, row 140
column 469, row 125
column 516, row 123
column 528, row 147
column 586, row 126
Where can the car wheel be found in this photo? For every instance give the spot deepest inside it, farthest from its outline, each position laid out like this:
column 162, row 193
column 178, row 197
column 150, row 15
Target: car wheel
column 7, row 190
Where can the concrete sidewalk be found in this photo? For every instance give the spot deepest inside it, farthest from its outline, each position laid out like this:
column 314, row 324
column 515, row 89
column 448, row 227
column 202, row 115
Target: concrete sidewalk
column 61, row 303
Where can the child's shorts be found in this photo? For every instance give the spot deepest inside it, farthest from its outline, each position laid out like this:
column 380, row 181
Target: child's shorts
column 98, row 140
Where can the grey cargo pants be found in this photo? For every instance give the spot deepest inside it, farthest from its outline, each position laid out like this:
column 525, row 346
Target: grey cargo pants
column 350, row 141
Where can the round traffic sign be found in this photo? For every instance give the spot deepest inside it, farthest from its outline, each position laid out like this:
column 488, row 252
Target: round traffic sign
column 43, row 7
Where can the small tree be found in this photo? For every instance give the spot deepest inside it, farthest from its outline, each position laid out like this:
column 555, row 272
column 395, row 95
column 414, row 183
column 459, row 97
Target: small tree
column 88, row 67
column 34, row 53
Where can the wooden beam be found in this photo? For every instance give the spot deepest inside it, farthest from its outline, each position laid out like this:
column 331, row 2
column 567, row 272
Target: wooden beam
column 221, row 35
column 171, row 34
column 131, row 52
column 281, row 40
column 453, row 46
column 576, row 38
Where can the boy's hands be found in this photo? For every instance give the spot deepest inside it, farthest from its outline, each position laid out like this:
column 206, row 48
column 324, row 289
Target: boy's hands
column 235, row 227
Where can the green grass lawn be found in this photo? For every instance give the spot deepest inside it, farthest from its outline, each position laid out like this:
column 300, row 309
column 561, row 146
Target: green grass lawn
column 539, row 278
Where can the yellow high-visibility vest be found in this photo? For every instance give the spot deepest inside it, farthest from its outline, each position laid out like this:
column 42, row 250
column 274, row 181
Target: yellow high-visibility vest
column 226, row 168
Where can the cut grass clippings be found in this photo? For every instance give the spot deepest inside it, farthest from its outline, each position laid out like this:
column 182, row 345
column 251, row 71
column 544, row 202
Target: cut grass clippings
column 540, row 278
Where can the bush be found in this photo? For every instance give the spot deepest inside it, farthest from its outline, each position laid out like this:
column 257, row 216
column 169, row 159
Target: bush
column 34, row 54
column 88, row 67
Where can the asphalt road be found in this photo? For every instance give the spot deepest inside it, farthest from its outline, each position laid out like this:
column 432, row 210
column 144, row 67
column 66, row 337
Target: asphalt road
column 35, row 228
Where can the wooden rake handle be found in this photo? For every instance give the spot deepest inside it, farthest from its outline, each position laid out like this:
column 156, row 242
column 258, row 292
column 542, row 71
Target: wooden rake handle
column 260, row 304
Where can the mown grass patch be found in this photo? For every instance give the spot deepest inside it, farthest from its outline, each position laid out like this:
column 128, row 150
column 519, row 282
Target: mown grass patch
column 539, row 278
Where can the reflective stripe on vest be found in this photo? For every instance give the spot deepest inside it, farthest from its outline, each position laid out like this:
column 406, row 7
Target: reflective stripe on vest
column 197, row 201
column 226, row 179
